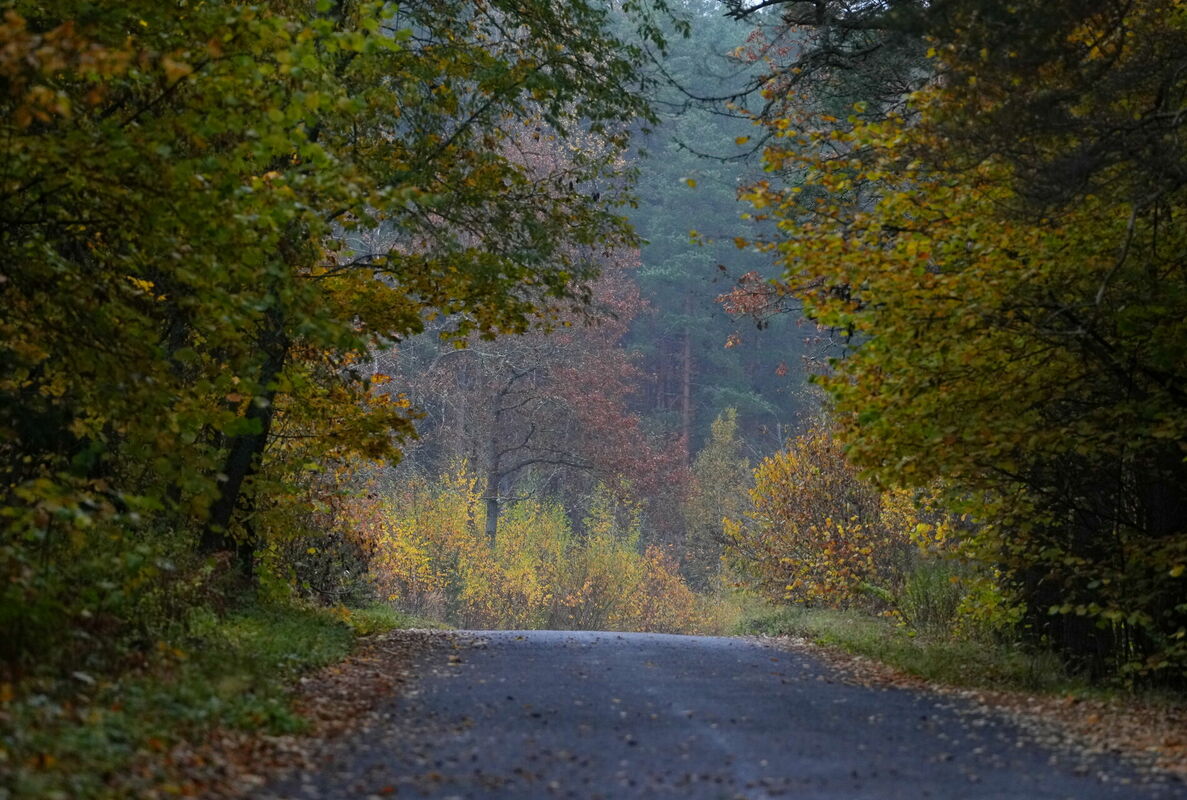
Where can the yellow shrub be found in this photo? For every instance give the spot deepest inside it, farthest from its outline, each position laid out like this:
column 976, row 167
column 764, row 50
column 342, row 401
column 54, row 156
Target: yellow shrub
column 432, row 557
column 818, row 533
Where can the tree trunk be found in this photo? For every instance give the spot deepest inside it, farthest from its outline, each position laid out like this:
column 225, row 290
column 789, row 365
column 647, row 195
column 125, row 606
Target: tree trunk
column 246, row 450
column 686, row 381
column 493, row 476
column 492, row 516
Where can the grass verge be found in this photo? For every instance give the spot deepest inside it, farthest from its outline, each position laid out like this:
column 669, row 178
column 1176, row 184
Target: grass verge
column 964, row 663
column 380, row 618
column 75, row 736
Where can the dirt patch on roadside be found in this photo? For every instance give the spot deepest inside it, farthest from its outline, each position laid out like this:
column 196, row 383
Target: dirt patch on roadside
column 336, row 700
column 1152, row 737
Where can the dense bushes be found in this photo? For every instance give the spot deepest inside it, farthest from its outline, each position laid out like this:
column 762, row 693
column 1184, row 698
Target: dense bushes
column 432, row 557
column 819, row 535
column 112, row 590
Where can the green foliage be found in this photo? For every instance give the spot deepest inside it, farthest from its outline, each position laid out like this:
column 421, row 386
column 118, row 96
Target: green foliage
column 122, row 591
column 380, row 618
column 211, row 216
column 721, row 480
column 930, row 600
column 311, row 556
column 1018, row 311
column 700, row 359
column 78, row 736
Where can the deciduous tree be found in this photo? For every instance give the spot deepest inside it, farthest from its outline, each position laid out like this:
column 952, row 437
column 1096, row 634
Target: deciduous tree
column 183, row 201
column 1007, row 251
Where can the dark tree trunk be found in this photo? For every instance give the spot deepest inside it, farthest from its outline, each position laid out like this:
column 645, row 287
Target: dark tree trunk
column 246, row 450
column 686, row 383
column 493, row 475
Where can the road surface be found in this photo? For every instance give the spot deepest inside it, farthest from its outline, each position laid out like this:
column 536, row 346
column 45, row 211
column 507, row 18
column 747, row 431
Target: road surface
column 547, row 714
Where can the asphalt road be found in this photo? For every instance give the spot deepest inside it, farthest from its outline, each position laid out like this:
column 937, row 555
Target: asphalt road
column 547, row 714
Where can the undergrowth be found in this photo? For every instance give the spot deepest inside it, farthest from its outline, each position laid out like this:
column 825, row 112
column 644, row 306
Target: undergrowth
column 76, row 736
column 973, row 663
column 379, row 618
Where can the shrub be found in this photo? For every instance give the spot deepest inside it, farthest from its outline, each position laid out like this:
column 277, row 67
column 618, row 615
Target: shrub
column 818, row 533
column 431, row 557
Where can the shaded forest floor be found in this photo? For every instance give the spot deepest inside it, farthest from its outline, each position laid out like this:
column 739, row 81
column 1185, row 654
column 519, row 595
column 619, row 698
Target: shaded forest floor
column 335, row 700
column 191, row 710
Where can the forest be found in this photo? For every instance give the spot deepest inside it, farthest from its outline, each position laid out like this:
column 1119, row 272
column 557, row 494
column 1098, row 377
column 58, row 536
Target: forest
column 652, row 315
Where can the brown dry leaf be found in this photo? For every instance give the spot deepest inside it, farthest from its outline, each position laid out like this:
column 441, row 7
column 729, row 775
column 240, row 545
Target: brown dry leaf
column 336, row 700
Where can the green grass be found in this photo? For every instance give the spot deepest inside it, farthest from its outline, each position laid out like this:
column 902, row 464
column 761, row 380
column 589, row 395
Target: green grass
column 75, row 736
column 380, row 618
column 965, row 663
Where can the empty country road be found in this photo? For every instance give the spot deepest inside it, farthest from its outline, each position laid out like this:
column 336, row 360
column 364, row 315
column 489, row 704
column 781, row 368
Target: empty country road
column 546, row 714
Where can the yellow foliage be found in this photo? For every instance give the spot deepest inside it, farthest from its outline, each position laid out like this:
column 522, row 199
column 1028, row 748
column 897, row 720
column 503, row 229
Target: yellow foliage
column 818, row 533
column 431, row 556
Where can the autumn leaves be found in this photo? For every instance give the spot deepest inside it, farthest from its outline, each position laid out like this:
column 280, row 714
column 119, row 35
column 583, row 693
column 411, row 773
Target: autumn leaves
column 1005, row 243
column 212, row 216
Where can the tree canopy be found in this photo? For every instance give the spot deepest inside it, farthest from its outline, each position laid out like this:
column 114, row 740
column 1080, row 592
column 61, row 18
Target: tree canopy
column 211, row 214
column 1004, row 243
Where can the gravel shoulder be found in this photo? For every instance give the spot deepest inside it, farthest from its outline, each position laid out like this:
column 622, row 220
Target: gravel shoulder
column 1150, row 736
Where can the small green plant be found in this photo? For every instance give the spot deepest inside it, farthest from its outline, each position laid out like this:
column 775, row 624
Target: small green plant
column 930, row 599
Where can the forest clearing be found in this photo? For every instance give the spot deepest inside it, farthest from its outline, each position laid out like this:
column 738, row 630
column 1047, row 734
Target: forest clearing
column 848, row 336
